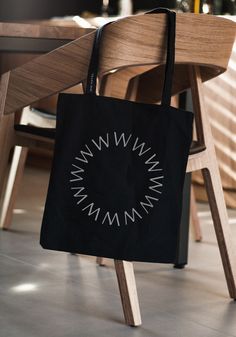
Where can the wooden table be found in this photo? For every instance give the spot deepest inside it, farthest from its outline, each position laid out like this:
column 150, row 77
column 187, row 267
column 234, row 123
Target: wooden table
column 20, row 42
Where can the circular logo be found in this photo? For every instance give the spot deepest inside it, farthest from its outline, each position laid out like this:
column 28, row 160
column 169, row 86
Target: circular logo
column 116, row 179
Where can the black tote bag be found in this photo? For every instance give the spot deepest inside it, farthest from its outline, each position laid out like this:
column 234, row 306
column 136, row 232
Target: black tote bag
column 117, row 176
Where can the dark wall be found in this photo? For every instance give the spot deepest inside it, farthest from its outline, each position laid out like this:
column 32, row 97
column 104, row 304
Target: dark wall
column 11, row 10
column 43, row 9
column 149, row 4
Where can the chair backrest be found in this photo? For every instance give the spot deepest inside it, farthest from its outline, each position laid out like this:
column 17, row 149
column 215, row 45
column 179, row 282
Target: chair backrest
column 133, row 41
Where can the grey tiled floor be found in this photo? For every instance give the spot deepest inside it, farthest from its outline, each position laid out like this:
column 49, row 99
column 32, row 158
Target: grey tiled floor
column 47, row 294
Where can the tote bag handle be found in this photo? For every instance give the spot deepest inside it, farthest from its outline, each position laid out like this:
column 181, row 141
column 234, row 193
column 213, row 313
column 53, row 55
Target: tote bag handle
column 170, row 57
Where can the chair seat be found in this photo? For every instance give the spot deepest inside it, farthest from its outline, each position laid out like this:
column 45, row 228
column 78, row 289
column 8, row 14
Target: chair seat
column 43, row 113
column 38, row 117
column 38, row 131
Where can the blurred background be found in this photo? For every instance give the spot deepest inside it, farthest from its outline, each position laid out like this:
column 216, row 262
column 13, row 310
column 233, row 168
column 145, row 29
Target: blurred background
column 14, row 10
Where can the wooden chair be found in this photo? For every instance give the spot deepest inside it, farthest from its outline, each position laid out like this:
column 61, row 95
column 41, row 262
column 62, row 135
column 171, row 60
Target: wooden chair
column 17, row 165
column 196, row 61
column 53, row 34
column 57, row 31
column 41, row 115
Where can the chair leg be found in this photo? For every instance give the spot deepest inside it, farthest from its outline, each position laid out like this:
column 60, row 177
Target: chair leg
column 13, row 182
column 208, row 163
column 124, row 269
column 194, row 217
column 4, row 153
column 221, row 223
column 6, row 143
column 128, row 292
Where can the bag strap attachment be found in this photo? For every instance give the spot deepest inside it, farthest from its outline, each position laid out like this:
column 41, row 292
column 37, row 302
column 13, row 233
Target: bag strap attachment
column 94, row 62
column 170, row 54
column 170, row 57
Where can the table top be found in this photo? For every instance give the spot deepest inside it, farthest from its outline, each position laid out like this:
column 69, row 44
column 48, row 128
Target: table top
column 47, row 29
column 38, row 37
column 41, row 36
